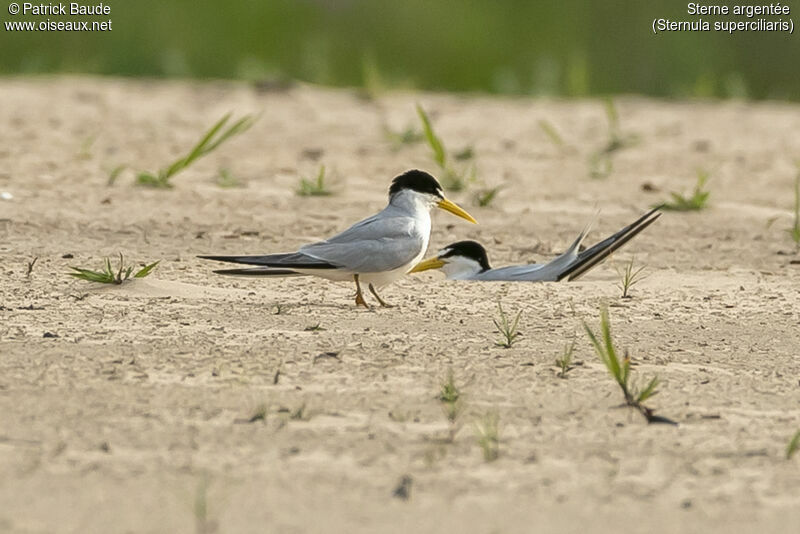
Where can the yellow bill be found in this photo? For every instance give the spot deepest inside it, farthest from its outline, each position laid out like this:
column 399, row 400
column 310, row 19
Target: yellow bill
column 455, row 209
column 430, row 263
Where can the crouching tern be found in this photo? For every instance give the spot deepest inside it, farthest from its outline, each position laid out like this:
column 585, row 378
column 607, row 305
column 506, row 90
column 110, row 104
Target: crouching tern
column 377, row 251
column 467, row 260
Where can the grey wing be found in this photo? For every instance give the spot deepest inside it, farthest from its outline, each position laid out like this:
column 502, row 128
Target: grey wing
column 536, row 272
column 519, row 273
column 375, row 244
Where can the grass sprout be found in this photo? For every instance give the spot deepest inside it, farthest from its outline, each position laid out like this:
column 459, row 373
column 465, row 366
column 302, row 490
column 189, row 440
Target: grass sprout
column 551, row 132
column 564, row 362
column 507, row 327
column 696, row 202
column 85, row 151
column 114, row 174
column 487, row 432
column 620, row 370
column 630, row 276
column 110, row 276
column 316, row 187
column 452, row 179
column 450, row 397
column 212, row 139
column 227, row 180
column 439, row 154
column 601, row 163
column 793, row 446
column 486, row 197
column 409, row 136
column 29, row 268
column 466, row 153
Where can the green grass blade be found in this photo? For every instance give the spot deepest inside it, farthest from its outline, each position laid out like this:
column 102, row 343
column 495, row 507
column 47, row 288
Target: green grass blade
column 649, row 390
column 611, row 115
column 144, row 271
column 201, row 148
column 595, row 342
column 611, row 354
column 439, row 154
column 551, row 132
column 793, row 446
column 210, row 141
column 240, row 126
column 91, row 276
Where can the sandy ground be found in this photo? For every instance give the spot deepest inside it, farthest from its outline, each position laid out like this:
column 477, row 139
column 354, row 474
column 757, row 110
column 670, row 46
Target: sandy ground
column 133, row 418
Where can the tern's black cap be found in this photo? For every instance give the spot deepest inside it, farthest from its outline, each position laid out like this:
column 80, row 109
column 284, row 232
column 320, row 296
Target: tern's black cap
column 416, row 180
column 469, row 249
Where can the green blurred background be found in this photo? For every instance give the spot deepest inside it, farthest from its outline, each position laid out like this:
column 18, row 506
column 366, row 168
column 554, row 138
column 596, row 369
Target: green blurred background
column 568, row 47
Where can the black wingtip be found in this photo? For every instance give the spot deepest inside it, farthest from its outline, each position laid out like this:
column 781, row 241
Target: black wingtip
column 257, row 272
column 598, row 253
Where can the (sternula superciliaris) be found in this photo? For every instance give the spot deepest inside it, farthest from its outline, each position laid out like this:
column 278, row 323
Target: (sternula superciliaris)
column 377, row 251
column 467, row 260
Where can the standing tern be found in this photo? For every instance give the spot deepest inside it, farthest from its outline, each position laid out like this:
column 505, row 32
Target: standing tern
column 467, row 260
column 376, row 251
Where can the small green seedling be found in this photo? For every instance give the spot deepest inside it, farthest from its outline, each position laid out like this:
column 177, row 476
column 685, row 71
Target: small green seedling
column 487, row 432
column 620, row 370
column 696, row 202
column 629, row 277
column 794, row 445
column 207, row 144
column 29, row 269
column 114, row 174
column 85, row 151
column 450, row 397
column 314, row 188
column 507, row 328
column 452, row 179
column 409, row 136
column 616, row 140
column 564, row 362
column 551, row 132
column 227, row 180
column 465, row 154
column 794, row 231
column 486, row 197
column 109, row 276
column 373, row 83
column 601, row 164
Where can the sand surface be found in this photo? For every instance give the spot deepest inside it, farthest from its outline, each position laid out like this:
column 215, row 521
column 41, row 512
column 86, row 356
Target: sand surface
column 125, row 409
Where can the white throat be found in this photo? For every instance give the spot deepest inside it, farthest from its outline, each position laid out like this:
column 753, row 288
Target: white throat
column 413, row 201
column 460, row 268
